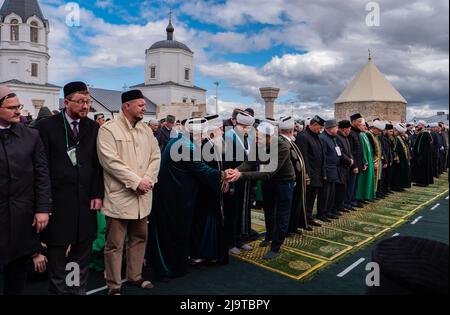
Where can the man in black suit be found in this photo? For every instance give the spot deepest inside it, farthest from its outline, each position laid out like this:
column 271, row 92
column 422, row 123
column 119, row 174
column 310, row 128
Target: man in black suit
column 313, row 152
column 24, row 194
column 77, row 189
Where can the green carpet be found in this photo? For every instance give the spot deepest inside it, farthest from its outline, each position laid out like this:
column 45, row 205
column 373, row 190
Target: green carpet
column 303, row 255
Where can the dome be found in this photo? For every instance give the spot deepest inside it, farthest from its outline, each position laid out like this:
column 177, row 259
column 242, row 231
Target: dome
column 171, row 44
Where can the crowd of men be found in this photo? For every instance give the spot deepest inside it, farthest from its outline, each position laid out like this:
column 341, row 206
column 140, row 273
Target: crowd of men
column 170, row 194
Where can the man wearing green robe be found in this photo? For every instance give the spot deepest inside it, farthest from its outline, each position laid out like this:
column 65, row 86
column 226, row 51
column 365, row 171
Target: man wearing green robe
column 365, row 191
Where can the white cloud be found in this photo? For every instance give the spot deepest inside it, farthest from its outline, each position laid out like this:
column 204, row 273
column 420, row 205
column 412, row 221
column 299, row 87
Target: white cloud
column 410, row 46
column 104, row 4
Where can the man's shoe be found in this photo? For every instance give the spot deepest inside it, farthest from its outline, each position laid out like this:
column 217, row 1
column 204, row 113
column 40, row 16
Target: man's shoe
column 314, row 223
column 308, row 228
column 332, row 216
column 246, row 247
column 234, row 251
column 270, row 255
column 264, row 243
column 344, row 210
column 323, row 219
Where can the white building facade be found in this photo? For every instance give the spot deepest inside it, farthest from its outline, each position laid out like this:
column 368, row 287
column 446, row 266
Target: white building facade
column 169, row 78
column 24, row 55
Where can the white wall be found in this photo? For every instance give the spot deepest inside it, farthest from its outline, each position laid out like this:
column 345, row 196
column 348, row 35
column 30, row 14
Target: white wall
column 170, row 65
column 16, row 57
column 27, row 94
column 169, row 94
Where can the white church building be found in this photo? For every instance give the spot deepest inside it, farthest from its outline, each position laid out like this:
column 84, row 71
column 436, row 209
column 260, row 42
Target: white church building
column 169, row 78
column 168, row 75
column 24, row 55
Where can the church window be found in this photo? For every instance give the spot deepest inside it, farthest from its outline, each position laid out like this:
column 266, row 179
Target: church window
column 193, row 101
column 152, row 72
column 187, row 74
column 184, row 99
column 34, row 32
column 34, row 70
column 14, row 30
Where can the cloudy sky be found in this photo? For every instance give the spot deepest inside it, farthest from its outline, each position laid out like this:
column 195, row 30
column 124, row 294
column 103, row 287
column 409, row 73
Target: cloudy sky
column 310, row 49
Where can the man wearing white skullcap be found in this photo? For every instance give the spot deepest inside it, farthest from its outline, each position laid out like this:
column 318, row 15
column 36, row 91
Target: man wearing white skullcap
column 422, row 156
column 207, row 233
column 239, row 143
column 374, row 134
column 278, row 182
column 401, row 170
column 172, row 218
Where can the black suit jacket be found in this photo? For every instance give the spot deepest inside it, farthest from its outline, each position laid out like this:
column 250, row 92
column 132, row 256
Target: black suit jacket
column 313, row 152
column 73, row 187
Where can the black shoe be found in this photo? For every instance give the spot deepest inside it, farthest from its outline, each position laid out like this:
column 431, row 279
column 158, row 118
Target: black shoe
column 264, row 243
column 332, row 216
column 323, row 219
column 314, row 223
column 308, row 228
column 359, row 205
column 337, row 212
column 344, row 210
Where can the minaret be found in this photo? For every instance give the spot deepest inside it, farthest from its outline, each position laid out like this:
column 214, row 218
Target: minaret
column 23, row 42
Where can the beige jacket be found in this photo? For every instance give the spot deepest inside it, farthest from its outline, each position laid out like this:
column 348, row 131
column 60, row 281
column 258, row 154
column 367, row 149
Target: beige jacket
column 127, row 155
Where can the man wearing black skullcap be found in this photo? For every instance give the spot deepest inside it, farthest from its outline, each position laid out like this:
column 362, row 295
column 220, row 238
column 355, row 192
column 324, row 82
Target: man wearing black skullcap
column 130, row 157
column 343, row 193
column 77, row 187
column 357, row 153
column 313, row 152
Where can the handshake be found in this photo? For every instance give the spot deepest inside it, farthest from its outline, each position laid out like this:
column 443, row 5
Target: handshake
column 230, row 176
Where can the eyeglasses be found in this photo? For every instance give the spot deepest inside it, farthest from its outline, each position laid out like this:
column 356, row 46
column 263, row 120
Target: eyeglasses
column 16, row 107
column 82, row 102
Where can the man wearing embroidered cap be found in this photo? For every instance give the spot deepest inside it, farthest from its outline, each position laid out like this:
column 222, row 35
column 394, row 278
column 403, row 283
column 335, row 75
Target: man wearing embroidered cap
column 77, row 187
column 130, row 157
column 182, row 171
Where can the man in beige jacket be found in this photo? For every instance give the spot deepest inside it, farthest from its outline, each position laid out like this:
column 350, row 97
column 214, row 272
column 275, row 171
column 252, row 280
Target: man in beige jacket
column 130, row 157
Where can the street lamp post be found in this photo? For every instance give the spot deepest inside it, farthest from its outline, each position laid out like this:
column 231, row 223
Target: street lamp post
column 217, row 96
